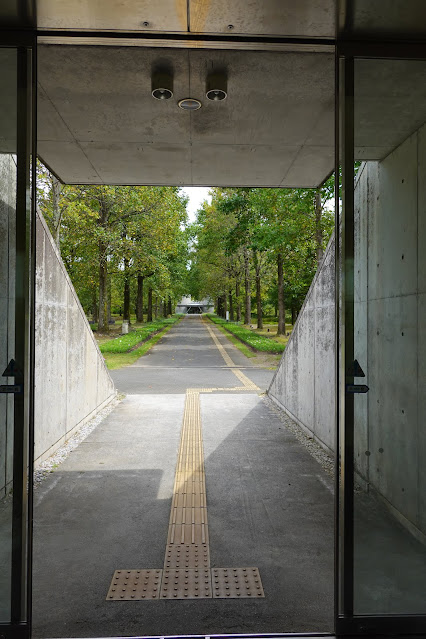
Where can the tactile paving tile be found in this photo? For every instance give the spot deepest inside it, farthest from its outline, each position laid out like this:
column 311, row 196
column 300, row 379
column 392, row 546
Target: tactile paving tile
column 236, row 583
column 186, row 584
column 188, row 516
column 188, row 534
column 185, row 500
column 134, row 585
column 187, row 556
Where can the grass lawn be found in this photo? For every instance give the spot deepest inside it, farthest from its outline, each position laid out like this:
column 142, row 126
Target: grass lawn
column 123, row 350
column 118, row 360
column 252, row 337
column 236, row 342
column 272, row 333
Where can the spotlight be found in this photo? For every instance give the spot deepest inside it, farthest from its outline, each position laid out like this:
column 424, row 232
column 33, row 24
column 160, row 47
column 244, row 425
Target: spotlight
column 189, row 104
column 162, row 85
column 216, row 87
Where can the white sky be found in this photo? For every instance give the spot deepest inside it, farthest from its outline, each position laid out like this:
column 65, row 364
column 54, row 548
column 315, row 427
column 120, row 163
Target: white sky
column 197, row 195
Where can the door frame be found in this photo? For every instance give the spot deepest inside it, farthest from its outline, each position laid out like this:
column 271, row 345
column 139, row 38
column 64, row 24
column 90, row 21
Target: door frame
column 346, row 52
column 347, row 623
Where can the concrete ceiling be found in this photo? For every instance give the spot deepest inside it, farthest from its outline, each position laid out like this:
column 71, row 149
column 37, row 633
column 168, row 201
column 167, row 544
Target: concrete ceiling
column 308, row 18
column 98, row 122
column 8, row 102
column 389, row 105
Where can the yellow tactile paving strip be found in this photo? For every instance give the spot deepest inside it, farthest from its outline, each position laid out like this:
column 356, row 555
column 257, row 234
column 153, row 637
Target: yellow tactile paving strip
column 248, row 384
column 187, row 573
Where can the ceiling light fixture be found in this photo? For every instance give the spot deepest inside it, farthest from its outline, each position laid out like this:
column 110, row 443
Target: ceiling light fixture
column 216, row 87
column 189, row 104
column 162, row 85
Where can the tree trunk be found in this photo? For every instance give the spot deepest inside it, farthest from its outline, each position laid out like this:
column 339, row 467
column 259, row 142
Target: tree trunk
column 156, row 308
column 237, row 295
column 126, row 293
column 95, row 315
column 164, row 308
column 281, row 307
column 259, row 303
column 258, row 293
column 57, row 213
column 170, row 306
column 109, row 300
column 139, row 300
column 220, row 306
column 149, row 315
column 231, row 306
column 103, row 295
column 318, row 229
column 247, row 291
column 225, row 305
column 103, row 273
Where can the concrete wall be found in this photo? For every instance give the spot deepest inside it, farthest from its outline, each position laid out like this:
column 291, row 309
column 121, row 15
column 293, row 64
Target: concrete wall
column 71, row 380
column 390, row 336
column 7, row 310
column 390, row 333
column 303, row 384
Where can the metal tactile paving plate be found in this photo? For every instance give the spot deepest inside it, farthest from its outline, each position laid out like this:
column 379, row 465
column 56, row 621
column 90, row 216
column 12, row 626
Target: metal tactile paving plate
column 134, row 585
column 186, row 584
column 236, row 583
column 187, row 556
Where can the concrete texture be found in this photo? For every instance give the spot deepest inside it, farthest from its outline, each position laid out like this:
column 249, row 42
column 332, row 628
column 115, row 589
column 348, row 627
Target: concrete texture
column 389, row 328
column 390, row 286
column 304, row 382
column 263, row 17
column 107, row 507
column 390, row 442
column 98, row 122
column 71, row 380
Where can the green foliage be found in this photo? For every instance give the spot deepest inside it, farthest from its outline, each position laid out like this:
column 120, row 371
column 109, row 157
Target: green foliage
column 256, row 226
column 259, row 343
column 119, row 360
column 109, row 236
column 124, row 343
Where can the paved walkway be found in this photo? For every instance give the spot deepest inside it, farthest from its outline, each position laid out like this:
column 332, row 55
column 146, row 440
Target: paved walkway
column 114, row 505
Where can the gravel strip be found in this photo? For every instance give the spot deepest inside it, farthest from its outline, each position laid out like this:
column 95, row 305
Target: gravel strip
column 325, row 460
column 49, row 465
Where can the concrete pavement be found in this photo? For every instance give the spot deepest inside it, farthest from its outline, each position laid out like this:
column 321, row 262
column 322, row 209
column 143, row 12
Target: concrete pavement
column 107, row 507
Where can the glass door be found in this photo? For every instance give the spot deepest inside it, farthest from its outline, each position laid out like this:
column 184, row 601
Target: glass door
column 15, row 337
column 382, row 516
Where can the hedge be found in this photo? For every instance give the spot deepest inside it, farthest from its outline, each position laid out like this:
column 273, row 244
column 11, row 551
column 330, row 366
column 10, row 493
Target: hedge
column 124, row 343
column 258, row 342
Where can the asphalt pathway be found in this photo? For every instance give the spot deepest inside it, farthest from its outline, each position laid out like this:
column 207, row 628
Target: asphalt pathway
column 107, row 507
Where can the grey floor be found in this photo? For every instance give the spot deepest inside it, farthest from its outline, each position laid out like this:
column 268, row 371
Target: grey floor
column 270, row 505
column 107, row 506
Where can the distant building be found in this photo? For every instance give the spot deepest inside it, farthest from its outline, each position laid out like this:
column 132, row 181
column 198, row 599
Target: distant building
column 193, row 307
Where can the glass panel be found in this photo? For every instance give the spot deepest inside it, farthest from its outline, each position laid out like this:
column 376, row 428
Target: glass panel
column 390, row 337
column 8, row 176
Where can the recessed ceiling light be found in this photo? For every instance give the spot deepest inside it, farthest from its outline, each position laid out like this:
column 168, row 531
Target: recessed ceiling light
column 162, row 86
column 216, row 87
column 189, row 104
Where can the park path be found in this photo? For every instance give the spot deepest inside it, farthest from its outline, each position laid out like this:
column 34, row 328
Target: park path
column 194, row 423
